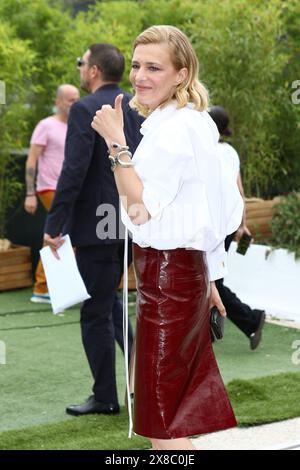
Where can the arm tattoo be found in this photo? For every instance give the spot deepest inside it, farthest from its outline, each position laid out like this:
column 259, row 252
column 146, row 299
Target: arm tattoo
column 30, row 179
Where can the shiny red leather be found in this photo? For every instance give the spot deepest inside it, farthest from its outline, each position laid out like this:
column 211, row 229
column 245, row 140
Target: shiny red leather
column 178, row 390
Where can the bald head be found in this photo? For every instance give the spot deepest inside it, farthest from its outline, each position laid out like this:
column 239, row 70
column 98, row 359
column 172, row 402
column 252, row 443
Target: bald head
column 65, row 90
column 66, row 95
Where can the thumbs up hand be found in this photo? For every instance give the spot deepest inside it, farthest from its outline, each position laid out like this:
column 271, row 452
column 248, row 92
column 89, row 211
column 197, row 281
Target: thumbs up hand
column 118, row 107
column 108, row 122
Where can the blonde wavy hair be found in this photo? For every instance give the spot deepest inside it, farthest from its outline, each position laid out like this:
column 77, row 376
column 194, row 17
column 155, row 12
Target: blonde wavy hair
column 182, row 55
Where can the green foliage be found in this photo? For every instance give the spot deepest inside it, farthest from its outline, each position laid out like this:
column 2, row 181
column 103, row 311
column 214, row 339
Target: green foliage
column 287, row 127
column 16, row 65
column 286, row 224
column 43, row 27
column 242, row 65
column 104, row 22
column 249, row 57
column 248, row 53
column 31, row 37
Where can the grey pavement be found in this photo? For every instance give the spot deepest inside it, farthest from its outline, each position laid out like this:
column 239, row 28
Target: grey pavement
column 283, row 435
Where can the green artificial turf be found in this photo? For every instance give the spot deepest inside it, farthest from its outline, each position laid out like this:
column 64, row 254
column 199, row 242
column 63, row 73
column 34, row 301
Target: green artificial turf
column 46, row 367
column 273, row 356
column 95, row 432
column 259, row 401
column 46, row 370
column 266, row 399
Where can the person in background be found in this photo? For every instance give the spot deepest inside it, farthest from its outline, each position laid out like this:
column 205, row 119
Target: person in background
column 86, row 192
column 249, row 321
column 178, row 207
column 43, row 167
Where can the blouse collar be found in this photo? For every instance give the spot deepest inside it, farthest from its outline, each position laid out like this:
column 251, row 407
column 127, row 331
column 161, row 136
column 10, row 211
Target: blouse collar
column 157, row 116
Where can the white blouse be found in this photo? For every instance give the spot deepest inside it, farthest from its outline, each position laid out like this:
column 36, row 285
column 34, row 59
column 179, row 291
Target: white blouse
column 193, row 199
column 231, row 156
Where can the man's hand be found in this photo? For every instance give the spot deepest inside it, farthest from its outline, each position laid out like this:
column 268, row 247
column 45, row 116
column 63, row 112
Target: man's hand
column 215, row 299
column 240, row 231
column 30, row 204
column 54, row 243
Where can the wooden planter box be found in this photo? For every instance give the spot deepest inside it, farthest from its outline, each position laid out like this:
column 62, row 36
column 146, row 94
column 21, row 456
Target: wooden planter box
column 259, row 215
column 15, row 268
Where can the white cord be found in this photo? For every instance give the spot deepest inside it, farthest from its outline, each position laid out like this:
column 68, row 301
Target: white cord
column 125, row 330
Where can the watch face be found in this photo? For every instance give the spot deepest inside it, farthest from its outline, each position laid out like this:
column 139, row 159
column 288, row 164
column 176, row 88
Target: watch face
column 115, row 145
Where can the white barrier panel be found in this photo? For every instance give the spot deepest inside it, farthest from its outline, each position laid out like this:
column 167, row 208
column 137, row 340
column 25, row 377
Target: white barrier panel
column 271, row 284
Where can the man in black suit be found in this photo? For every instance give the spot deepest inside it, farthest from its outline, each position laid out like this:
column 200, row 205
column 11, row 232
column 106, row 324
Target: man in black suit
column 86, row 190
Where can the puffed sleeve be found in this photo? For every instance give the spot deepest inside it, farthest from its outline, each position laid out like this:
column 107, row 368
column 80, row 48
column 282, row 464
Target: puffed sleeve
column 170, row 153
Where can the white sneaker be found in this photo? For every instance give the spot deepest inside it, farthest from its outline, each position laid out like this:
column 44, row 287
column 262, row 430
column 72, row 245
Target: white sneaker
column 40, row 298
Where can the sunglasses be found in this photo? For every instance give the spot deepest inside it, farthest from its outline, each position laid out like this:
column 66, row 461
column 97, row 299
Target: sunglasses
column 80, row 62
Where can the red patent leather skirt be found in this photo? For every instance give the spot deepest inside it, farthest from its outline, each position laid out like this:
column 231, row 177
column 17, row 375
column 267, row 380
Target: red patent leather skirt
column 178, row 390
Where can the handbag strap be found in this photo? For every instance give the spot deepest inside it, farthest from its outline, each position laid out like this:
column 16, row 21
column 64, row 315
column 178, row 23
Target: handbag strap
column 125, row 330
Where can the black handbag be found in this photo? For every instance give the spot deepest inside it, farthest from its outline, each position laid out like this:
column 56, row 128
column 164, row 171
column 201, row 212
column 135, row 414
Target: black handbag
column 216, row 323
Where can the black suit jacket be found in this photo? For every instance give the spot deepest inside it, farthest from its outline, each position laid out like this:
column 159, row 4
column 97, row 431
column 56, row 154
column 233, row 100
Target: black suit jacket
column 86, row 180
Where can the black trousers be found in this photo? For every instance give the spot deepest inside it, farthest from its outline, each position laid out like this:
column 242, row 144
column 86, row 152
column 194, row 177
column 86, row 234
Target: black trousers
column 240, row 314
column 101, row 317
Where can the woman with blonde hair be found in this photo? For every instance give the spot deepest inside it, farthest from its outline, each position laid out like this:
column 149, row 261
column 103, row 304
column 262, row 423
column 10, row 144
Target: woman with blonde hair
column 179, row 204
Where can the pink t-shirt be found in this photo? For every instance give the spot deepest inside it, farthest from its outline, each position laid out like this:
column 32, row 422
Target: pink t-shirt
column 51, row 133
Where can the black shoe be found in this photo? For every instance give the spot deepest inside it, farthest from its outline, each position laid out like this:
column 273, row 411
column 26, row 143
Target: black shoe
column 91, row 406
column 255, row 338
